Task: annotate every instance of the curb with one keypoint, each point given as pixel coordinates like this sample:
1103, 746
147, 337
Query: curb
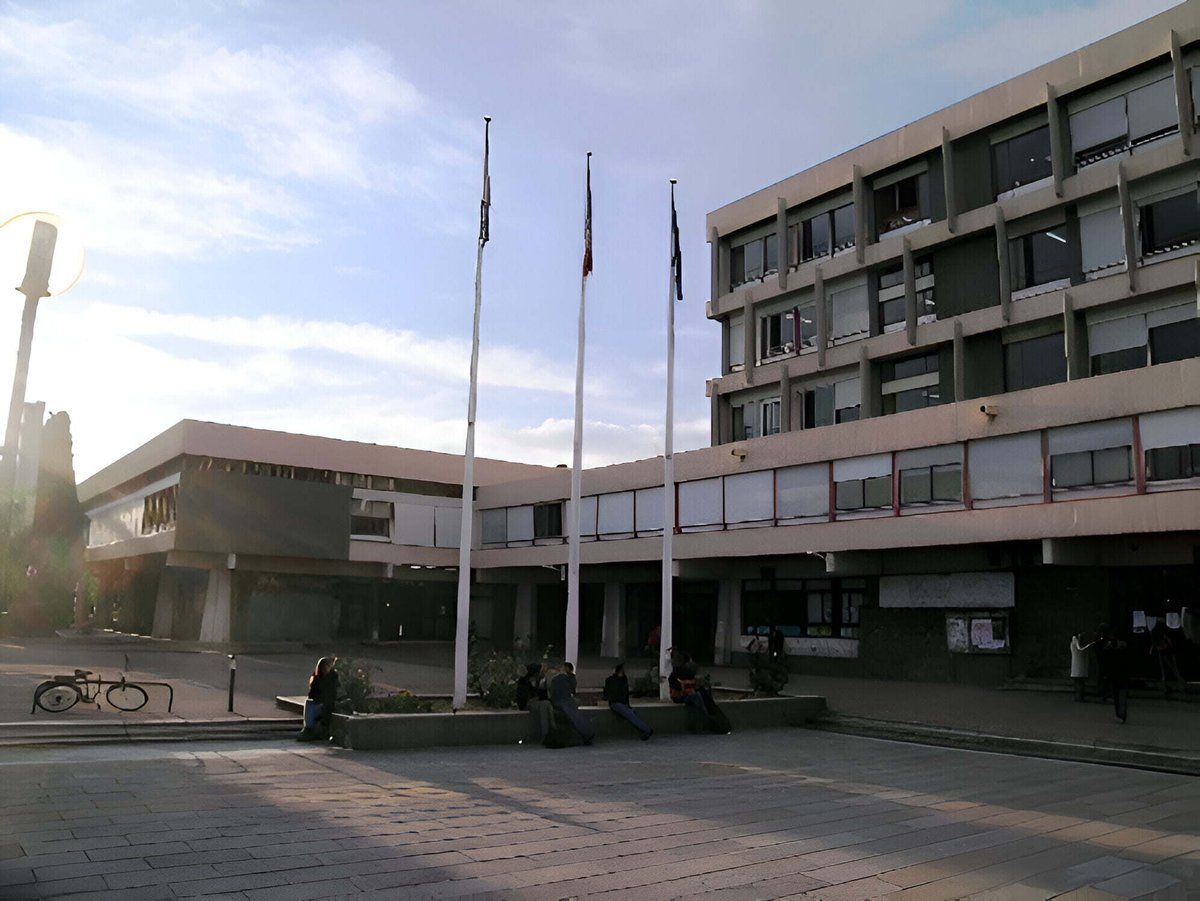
1132, 757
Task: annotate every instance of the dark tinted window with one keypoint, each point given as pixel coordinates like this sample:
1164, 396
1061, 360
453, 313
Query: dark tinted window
1119, 360
1098, 131
818, 407
1175, 341
843, 227
901, 204
1035, 362
1040, 258
816, 237
1022, 160
1182, 462
1170, 223
894, 370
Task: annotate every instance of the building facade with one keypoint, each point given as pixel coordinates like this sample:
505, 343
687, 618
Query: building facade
957, 420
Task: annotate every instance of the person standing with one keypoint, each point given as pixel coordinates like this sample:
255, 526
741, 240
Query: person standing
1079, 665
562, 696
1114, 669
616, 692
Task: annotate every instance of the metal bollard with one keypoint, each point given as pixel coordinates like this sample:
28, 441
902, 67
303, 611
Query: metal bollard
232, 678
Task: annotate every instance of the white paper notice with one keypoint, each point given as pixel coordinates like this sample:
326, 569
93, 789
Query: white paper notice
1173, 620
981, 635
1139, 620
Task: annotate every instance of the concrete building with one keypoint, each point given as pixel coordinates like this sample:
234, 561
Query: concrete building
958, 419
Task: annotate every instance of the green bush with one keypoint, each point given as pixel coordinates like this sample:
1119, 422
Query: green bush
645, 685
768, 676
401, 702
354, 680
494, 679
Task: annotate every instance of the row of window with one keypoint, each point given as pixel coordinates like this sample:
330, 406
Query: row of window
401, 522
1038, 261
801, 608
325, 476
158, 510
1002, 471
1100, 130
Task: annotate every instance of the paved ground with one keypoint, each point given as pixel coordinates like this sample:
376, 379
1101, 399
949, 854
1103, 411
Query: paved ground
781, 813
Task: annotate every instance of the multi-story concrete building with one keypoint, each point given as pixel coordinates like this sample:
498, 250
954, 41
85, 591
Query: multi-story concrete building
958, 419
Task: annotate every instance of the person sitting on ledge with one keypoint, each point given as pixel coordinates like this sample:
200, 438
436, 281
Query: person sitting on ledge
616, 692
562, 696
322, 696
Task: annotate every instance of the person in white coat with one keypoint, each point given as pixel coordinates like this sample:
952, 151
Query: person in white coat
1079, 664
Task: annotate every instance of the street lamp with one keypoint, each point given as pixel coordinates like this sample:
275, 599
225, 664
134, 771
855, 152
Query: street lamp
53, 263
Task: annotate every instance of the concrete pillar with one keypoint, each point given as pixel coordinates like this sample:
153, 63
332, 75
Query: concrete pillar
1077, 359
164, 605
960, 363
1002, 262
910, 294
822, 317
1128, 226
785, 400
216, 622
1183, 94
860, 214
749, 334
1059, 164
720, 263
948, 181
523, 616
729, 620
781, 243
613, 629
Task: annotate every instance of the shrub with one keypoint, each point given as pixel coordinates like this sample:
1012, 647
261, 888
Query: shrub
494, 679
769, 675
401, 702
645, 685
354, 679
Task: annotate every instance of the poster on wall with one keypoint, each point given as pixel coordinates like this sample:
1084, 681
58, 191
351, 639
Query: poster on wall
977, 632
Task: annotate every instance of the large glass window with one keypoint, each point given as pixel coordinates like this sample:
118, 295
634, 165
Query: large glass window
547, 520
850, 315
1169, 463
753, 260
1006, 468
802, 491
769, 413
749, 497
700, 503
737, 343
777, 335
902, 203
1094, 453
910, 384
821, 235
1143, 114
843, 227
1169, 224
371, 519
1175, 341
1171, 442
1035, 362
1022, 160
1117, 344
817, 237
1039, 258
813, 608
863, 483
495, 526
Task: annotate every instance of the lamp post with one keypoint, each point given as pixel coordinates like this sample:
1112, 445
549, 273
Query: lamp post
39, 232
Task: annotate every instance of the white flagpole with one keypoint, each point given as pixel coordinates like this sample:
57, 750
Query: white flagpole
463, 611
571, 649
666, 629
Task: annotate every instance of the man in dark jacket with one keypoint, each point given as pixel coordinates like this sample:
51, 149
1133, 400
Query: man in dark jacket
562, 696
616, 692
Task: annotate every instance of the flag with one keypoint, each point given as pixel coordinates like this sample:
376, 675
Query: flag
676, 253
485, 205
587, 222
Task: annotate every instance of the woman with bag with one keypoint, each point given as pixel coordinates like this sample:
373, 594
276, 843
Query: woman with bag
322, 696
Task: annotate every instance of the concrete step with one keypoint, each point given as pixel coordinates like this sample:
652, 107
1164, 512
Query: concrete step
115, 731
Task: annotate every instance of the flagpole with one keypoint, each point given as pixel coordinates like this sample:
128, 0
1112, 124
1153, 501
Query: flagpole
571, 648
463, 610
666, 628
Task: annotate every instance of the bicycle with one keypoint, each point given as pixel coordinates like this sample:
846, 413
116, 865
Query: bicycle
64, 692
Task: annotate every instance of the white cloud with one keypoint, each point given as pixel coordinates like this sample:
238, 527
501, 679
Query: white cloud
298, 113
134, 201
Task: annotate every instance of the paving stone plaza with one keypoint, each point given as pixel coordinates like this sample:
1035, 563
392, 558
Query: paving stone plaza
771, 814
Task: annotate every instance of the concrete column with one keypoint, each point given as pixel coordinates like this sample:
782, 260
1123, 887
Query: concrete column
1077, 360
1128, 227
860, 214
822, 316
715, 421
1002, 261
867, 394
614, 621
910, 294
1059, 164
749, 338
948, 181
714, 245
785, 400
523, 616
1183, 94
164, 605
729, 617
960, 363
781, 241
215, 624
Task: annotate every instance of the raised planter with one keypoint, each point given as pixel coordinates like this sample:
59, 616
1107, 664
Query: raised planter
499, 727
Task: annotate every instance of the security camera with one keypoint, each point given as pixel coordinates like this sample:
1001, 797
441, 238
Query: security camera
988, 410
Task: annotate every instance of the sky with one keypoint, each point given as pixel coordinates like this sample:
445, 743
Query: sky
279, 199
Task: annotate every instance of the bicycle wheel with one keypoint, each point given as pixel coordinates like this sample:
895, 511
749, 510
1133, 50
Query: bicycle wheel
127, 696
55, 697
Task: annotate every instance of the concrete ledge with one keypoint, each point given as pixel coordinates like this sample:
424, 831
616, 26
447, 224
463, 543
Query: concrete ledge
498, 727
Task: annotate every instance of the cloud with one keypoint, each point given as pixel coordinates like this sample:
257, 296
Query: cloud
298, 113
134, 201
